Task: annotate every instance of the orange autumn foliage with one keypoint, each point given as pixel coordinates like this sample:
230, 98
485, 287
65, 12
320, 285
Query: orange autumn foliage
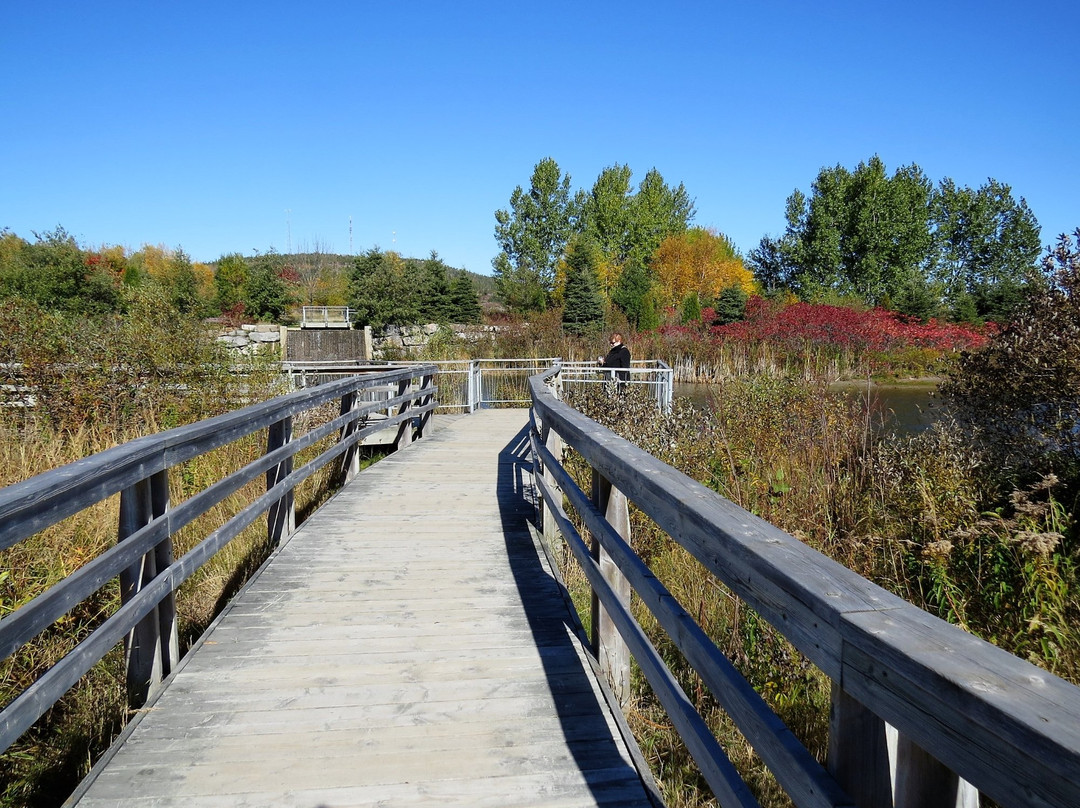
699, 260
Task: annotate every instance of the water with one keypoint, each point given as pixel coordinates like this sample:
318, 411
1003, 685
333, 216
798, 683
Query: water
905, 407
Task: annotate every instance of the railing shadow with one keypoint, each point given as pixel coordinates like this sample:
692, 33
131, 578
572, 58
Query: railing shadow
610, 777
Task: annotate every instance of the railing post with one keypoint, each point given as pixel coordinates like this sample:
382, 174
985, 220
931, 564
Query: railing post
350, 461
427, 395
922, 781
470, 387
151, 649
281, 516
859, 752
553, 443
881, 768
405, 428
608, 644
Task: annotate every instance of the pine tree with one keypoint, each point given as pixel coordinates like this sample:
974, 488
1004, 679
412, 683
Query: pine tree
464, 302
583, 308
634, 295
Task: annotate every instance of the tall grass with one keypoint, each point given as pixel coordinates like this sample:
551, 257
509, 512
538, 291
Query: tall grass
916, 514
116, 381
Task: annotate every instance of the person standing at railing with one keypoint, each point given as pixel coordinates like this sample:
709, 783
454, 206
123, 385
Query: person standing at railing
618, 358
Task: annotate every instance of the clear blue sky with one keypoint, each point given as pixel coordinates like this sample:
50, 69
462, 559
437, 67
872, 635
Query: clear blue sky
240, 126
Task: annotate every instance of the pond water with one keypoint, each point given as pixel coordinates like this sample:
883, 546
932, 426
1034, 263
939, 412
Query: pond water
905, 407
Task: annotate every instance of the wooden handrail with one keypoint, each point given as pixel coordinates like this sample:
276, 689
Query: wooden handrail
142, 556
957, 707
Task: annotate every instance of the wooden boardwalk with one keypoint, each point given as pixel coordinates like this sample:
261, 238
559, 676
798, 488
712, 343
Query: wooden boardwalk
406, 646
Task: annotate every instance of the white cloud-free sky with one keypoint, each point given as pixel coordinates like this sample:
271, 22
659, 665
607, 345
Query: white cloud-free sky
239, 126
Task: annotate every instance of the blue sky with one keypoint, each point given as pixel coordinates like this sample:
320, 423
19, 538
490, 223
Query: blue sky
235, 126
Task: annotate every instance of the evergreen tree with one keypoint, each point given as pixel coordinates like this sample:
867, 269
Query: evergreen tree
691, 309
583, 305
267, 295
435, 303
635, 297
464, 301
384, 290
730, 305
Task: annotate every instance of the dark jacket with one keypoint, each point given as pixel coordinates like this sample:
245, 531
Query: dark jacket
618, 357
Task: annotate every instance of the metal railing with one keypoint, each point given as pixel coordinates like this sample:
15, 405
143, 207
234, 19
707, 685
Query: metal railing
467, 385
325, 317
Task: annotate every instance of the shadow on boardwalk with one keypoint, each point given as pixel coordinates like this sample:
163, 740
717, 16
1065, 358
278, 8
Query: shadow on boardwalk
587, 722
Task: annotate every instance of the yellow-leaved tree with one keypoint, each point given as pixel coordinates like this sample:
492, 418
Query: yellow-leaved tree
701, 261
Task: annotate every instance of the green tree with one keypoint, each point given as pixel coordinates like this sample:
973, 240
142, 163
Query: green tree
57, 274
657, 211
230, 281
635, 296
384, 290
531, 236
730, 305
267, 294
770, 262
464, 301
986, 247
583, 305
435, 302
183, 285
690, 310
606, 213
859, 233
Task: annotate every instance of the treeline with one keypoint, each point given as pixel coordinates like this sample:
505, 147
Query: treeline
58, 275
387, 289
902, 242
614, 245
859, 236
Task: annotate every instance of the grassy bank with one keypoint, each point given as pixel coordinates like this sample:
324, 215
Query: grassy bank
916, 514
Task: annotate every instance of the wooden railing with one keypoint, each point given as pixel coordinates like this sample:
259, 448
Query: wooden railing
142, 557
923, 713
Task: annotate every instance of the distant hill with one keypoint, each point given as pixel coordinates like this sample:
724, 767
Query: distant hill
485, 284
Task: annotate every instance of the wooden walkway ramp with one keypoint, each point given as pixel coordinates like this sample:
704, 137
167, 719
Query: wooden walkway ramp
406, 646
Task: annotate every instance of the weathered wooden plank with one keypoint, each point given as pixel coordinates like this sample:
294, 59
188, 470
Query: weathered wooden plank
598, 787
983, 712
420, 660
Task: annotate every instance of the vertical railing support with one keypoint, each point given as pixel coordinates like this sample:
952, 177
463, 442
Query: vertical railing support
881, 768
922, 781
858, 751
553, 443
608, 644
281, 516
151, 649
427, 395
350, 461
470, 383
405, 428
